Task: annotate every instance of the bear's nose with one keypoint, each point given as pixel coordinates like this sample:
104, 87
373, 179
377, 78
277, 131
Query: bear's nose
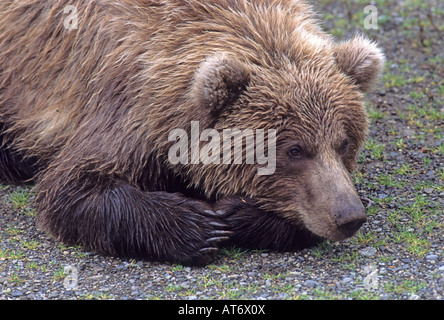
350, 218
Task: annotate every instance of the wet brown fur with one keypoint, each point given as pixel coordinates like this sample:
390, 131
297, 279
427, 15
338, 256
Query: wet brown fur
87, 113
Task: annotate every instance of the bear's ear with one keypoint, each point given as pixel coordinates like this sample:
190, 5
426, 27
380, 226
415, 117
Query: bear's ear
219, 81
361, 60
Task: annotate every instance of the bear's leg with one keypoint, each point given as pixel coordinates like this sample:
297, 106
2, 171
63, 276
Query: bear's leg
112, 217
254, 228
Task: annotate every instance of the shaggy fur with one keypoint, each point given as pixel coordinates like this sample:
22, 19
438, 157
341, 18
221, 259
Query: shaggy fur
87, 113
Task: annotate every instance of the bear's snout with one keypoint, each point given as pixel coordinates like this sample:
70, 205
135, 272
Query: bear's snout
350, 217
337, 211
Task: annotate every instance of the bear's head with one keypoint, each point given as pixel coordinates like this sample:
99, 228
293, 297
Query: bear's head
312, 96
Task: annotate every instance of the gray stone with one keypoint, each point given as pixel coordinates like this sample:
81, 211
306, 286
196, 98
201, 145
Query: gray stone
367, 252
310, 283
16, 293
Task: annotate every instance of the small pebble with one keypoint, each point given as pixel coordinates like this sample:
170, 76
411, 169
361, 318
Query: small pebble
347, 280
368, 252
17, 293
310, 283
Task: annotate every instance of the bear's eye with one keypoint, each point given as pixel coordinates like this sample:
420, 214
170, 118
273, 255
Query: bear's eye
296, 152
344, 146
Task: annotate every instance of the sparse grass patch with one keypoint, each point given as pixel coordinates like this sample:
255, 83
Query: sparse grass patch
372, 210
414, 222
392, 80
10, 254
233, 253
346, 260
403, 170
321, 294
439, 149
173, 288
441, 172
441, 89
59, 274
366, 239
32, 266
405, 286
21, 199
417, 246
16, 278
4, 187
427, 112
223, 268
76, 251
269, 276
31, 245
414, 243
322, 248
375, 149
389, 180
176, 267
13, 231
357, 177
374, 114
361, 294
97, 295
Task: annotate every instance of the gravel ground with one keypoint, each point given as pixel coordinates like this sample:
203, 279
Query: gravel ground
397, 254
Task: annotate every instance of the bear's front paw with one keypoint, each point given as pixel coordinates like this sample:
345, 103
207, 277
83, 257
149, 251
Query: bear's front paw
216, 234
202, 233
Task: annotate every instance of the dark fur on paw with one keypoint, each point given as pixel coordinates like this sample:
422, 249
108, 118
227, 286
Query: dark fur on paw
255, 228
203, 235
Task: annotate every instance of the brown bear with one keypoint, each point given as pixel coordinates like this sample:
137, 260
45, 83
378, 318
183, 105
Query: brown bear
91, 90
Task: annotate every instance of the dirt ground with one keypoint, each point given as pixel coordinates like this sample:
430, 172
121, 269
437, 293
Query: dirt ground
396, 255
